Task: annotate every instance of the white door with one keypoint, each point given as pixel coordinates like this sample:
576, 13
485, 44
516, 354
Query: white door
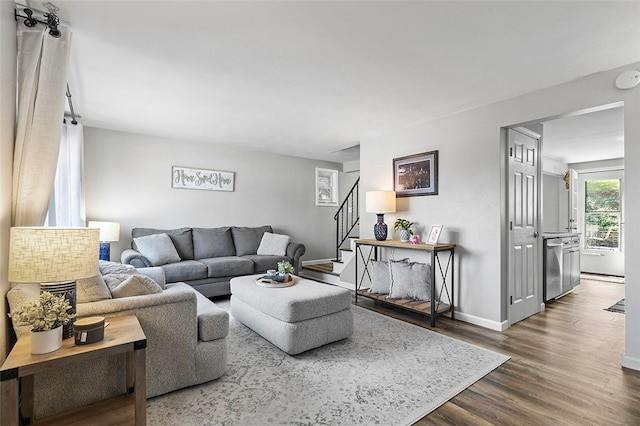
525, 289
601, 222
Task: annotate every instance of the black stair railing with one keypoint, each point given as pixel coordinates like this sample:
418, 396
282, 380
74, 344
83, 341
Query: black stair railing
347, 217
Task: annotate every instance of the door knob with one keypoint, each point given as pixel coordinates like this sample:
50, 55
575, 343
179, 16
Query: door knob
535, 235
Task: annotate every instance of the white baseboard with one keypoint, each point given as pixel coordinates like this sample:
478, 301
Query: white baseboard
630, 362
482, 322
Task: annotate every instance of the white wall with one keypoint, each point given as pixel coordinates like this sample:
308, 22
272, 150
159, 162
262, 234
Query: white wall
554, 218
470, 204
7, 123
128, 180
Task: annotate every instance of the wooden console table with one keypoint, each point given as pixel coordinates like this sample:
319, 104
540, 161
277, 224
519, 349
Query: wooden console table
124, 335
432, 307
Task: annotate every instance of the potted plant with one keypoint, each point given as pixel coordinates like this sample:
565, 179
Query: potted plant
46, 316
285, 268
404, 226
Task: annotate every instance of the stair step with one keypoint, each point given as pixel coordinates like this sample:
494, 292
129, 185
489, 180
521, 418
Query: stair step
326, 268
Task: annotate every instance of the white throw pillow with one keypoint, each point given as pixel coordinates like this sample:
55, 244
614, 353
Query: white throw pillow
92, 289
274, 244
158, 248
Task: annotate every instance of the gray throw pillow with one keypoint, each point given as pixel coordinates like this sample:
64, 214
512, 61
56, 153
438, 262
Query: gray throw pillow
92, 289
380, 278
122, 285
212, 242
247, 240
401, 280
273, 244
421, 281
158, 248
182, 239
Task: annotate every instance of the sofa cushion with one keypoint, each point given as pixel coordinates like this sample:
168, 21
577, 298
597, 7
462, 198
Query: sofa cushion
182, 239
264, 263
158, 248
212, 242
92, 289
185, 270
124, 285
228, 266
273, 244
247, 240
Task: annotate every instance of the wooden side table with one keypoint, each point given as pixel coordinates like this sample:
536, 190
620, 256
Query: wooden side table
123, 335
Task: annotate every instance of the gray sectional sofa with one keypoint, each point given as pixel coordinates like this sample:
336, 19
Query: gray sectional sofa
207, 258
186, 343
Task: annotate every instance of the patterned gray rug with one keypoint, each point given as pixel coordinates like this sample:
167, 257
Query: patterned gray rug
388, 373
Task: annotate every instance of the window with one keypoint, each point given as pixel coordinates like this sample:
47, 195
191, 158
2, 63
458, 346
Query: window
602, 214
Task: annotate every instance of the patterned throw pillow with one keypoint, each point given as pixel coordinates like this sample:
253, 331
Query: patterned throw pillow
92, 289
123, 285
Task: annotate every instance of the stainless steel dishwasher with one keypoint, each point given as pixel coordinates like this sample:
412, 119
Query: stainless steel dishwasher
553, 265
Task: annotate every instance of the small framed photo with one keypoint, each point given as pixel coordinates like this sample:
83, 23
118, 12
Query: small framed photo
434, 234
416, 175
326, 187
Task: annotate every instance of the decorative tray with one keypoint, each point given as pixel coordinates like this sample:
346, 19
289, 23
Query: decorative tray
264, 281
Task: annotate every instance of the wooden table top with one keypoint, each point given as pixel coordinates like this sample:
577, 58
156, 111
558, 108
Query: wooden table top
121, 332
408, 245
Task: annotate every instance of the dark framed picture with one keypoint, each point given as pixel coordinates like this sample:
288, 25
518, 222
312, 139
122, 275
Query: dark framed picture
416, 174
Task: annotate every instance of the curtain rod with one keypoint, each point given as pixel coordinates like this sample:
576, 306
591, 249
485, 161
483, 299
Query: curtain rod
52, 21
73, 114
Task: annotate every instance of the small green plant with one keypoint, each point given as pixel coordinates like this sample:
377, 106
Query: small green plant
46, 313
403, 224
285, 267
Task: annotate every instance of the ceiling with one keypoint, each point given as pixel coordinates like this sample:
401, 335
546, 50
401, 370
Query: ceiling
586, 137
309, 78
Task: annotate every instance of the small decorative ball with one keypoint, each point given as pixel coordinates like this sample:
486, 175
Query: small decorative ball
415, 239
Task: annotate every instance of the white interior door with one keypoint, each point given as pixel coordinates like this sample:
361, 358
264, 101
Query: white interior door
525, 288
601, 222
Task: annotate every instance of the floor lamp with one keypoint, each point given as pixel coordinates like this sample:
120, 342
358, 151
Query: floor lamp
109, 233
55, 258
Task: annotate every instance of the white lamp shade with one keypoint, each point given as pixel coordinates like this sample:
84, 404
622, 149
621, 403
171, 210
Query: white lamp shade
381, 201
109, 231
45, 255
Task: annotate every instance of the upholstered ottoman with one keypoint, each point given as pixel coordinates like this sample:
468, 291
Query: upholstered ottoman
297, 318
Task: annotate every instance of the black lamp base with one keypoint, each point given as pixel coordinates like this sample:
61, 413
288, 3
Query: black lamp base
380, 228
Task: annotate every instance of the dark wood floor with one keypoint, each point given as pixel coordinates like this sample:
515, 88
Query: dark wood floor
564, 367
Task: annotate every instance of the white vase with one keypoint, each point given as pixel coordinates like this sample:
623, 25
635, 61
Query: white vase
43, 342
405, 235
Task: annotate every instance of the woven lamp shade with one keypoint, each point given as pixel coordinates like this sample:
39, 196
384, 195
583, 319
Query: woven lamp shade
47, 255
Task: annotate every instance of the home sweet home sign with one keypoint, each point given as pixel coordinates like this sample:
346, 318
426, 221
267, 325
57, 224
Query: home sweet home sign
210, 180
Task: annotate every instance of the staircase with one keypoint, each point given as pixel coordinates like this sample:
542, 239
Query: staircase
341, 270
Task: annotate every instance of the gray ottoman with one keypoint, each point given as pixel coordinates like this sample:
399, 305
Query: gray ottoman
297, 318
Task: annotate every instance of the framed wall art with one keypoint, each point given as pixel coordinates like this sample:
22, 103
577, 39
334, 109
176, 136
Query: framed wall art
326, 187
211, 180
416, 174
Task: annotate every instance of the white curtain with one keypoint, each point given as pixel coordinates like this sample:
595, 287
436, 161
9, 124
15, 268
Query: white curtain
42, 78
67, 199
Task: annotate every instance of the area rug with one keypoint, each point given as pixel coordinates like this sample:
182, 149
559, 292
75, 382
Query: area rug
618, 307
388, 373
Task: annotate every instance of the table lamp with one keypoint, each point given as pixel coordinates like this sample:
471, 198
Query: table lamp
55, 258
380, 202
109, 233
